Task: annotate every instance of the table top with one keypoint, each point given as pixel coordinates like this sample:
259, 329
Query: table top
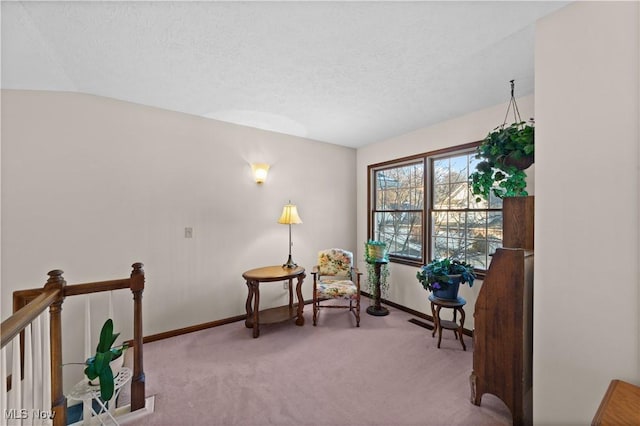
448, 303
273, 273
83, 390
619, 405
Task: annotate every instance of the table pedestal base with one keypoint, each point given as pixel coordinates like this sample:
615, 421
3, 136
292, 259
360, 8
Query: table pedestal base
378, 311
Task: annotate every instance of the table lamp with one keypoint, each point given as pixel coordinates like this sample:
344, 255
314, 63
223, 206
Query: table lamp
290, 217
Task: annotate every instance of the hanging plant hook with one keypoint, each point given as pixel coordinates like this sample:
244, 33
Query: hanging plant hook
505, 153
512, 102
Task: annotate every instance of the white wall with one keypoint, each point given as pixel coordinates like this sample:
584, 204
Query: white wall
586, 320
91, 185
404, 288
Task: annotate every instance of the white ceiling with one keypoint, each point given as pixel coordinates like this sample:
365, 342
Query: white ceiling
348, 73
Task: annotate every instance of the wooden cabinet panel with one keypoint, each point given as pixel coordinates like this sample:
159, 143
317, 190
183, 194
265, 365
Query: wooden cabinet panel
503, 316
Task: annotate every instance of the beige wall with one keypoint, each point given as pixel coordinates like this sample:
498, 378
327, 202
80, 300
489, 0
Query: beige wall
91, 185
587, 302
404, 288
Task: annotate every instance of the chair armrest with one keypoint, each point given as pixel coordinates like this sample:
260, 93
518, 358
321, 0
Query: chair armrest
314, 270
358, 274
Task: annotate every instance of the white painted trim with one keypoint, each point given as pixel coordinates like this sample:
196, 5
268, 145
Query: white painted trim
124, 415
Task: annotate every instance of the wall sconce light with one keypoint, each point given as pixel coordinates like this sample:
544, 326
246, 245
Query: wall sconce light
260, 171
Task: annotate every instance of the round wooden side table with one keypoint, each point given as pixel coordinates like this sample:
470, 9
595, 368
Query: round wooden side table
457, 306
254, 277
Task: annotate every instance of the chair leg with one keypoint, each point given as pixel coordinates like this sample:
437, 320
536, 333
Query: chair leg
315, 312
355, 310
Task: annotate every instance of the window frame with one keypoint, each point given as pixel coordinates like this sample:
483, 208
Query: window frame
427, 159
371, 222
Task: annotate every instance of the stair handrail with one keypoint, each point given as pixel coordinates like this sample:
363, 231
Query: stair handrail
19, 321
30, 303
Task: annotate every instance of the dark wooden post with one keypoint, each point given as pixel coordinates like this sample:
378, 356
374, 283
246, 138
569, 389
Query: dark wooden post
138, 381
518, 222
58, 400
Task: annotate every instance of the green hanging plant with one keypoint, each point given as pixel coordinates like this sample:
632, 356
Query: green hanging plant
505, 153
384, 279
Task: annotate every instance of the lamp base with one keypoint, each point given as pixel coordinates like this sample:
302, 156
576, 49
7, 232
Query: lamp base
290, 263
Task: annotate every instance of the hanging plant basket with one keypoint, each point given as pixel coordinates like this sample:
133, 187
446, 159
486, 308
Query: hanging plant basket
506, 152
519, 162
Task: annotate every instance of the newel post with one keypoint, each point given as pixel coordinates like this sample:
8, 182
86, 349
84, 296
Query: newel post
58, 400
138, 381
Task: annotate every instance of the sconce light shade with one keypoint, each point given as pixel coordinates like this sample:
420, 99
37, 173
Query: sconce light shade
260, 171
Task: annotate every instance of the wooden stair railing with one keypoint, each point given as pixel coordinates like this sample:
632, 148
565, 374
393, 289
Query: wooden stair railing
29, 304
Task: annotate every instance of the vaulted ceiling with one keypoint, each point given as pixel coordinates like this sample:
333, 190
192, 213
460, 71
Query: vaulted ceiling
348, 73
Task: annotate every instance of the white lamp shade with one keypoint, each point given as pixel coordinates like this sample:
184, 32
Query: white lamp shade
289, 215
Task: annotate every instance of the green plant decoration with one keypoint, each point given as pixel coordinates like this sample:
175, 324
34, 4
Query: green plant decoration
436, 274
98, 365
505, 153
372, 250
384, 279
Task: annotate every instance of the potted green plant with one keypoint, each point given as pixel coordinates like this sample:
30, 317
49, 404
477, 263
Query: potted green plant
376, 251
101, 365
443, 277
505, 153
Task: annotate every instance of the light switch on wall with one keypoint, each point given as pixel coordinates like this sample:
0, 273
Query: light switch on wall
188, 232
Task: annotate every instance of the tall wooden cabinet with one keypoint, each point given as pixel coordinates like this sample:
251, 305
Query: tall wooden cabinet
503, 317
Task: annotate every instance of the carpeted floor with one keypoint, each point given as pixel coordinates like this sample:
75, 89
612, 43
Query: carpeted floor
387, 372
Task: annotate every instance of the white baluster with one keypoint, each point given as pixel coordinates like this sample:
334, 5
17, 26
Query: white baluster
3, 382
112, 402
15, 400
27, 381
39, 368
46, 362
111, 305
87, 327
37, 363
86, 406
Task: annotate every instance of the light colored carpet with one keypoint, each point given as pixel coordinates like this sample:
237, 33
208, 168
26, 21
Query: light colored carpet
387, 372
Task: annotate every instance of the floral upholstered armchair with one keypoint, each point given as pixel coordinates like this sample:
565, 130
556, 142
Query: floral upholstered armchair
335, 277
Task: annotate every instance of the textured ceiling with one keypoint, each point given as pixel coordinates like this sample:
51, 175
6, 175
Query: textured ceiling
348, 73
